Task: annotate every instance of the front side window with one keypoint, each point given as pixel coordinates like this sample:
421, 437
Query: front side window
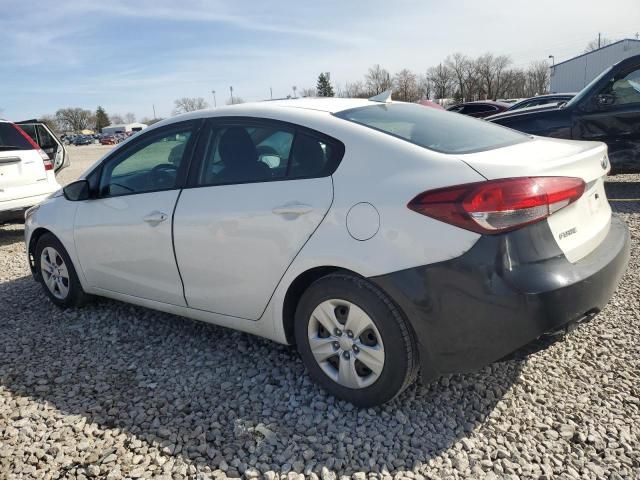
434, 129
624, 89
151, 165
245, 154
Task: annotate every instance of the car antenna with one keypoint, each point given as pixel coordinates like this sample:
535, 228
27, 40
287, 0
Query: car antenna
384, 97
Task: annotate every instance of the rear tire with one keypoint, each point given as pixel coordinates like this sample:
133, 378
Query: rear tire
354, 341
57, 274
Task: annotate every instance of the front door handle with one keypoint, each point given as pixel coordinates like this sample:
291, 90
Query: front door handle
155, 217
293, 208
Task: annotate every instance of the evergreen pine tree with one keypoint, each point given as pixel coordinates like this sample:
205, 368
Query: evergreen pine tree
324, 88
102, 119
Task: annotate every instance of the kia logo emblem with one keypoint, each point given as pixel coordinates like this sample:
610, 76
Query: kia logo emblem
603, 162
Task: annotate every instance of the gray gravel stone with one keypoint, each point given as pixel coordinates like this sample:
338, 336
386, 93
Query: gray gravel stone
116, 391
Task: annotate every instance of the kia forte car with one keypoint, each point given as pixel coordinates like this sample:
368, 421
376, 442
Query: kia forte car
383, 239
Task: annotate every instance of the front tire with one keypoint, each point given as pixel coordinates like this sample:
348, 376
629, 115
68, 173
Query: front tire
354, 341
56, 273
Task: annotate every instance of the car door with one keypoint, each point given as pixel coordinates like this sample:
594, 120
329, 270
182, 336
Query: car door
48, 142
123, 237
613, 116
258, 193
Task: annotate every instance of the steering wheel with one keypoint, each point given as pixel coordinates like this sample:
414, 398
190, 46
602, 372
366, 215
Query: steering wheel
164, 175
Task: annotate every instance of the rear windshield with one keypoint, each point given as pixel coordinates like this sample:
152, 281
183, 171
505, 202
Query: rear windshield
12, 139
437, 130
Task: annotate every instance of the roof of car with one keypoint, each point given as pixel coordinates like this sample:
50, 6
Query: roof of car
318, 105
483, 102
546, 95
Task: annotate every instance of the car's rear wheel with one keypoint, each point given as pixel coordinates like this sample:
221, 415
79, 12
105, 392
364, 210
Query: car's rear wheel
354, 341
57, 274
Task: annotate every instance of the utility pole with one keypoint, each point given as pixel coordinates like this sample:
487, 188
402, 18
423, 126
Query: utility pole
231, 90
598, 39
154, 111
294, 91
271, 93
214, 98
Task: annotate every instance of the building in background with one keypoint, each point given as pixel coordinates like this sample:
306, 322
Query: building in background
573, 74
124, 128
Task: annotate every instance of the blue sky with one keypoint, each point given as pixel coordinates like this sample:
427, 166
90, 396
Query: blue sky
129, 55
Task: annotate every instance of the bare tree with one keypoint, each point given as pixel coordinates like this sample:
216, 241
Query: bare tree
51, 121
150, 121
442, 80
537, 78
462, 68
129, 117
425, 86
116, 119
355, 90
491, 70
236, 100
191, 104
308, 92
75, 119
377, 80
405, 84
595, 44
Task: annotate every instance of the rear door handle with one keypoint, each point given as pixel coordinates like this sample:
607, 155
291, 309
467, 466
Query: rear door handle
155, 217
292, 208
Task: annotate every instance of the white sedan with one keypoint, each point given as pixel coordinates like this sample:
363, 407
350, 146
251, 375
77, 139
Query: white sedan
382, 238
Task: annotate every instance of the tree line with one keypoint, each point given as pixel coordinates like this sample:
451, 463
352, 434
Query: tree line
75, 119
458, 77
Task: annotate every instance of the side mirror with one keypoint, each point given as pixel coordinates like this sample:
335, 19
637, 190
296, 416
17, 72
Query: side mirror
76, 191
604, 100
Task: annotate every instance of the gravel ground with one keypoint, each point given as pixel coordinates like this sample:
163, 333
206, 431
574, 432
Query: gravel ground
118, 391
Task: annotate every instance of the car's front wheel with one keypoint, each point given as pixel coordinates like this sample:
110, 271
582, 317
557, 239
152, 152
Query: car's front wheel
57, 274
354, 341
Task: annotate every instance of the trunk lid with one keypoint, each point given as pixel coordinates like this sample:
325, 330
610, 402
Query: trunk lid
581, 226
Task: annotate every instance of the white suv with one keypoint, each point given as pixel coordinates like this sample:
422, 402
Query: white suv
27, 171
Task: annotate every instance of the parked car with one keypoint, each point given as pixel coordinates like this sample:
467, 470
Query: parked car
607, 110
381, 238
480, 109
429, 103
109, 140
547, 99
83, 140
26, 172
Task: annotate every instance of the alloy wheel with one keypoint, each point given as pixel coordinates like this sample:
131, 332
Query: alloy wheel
54, 272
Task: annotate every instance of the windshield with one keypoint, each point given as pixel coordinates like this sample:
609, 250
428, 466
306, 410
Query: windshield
582, 93
437, 130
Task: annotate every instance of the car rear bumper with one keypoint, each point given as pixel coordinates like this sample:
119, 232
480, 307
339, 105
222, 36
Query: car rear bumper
505, 292
14, 209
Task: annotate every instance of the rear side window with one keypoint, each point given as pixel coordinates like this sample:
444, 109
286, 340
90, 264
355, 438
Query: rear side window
12, 139
434, 129
258, 151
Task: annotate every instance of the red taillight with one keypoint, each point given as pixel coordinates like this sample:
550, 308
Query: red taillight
497, 206
48, 164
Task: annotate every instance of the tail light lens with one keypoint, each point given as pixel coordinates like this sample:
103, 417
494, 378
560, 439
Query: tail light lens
497, 206
48, 164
